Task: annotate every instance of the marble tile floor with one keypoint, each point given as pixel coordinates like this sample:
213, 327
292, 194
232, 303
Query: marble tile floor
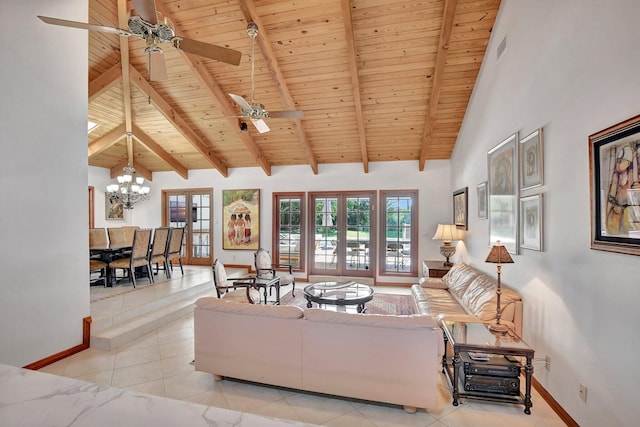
159, 364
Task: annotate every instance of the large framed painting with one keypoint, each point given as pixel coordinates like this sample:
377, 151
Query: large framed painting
531, 160
113, 209
615, 188
531, 222
502, 162
460, 209
241, 219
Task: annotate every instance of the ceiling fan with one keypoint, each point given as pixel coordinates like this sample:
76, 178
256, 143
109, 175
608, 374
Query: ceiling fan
154, 28
254, 111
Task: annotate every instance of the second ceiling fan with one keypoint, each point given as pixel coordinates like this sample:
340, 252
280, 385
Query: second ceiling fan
255, 111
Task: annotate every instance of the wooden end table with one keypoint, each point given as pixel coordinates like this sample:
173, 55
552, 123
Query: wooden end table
475, 337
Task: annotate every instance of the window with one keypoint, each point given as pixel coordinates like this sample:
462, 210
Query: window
288, 230
399, 219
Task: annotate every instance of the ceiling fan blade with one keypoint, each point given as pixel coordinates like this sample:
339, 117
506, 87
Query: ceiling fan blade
260, 125
241, 101
146, 9
293, 114
75, 24
157, 66
207, 50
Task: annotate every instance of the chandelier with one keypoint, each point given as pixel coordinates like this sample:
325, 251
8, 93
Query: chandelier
128, 189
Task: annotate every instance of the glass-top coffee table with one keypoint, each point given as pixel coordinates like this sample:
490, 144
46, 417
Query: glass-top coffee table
339, 294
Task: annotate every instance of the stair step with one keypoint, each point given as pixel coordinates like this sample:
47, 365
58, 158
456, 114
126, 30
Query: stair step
125, 326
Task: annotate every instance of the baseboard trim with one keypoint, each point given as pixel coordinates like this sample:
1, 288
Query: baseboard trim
86, 342
564, 415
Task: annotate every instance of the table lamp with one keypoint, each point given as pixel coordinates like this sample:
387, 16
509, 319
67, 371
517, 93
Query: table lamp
447, 233
498, 255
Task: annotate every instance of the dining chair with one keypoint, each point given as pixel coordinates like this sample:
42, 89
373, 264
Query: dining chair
97, 237
228, 290
159, 249
129, 231
116, 236
101, 266
174, 248
266, 269
140, 256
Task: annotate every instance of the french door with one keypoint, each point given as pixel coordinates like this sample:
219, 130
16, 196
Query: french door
191, 209
343, 240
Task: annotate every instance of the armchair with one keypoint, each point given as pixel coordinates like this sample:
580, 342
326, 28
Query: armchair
230, 291
266, 269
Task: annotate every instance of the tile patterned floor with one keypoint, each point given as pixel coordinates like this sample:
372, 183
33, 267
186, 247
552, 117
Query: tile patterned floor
159, 364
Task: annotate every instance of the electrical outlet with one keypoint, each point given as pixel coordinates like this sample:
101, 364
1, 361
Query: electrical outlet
547, 363
582, 392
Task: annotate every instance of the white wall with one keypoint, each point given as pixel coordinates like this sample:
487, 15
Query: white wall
435, 196
43, 186
570, 67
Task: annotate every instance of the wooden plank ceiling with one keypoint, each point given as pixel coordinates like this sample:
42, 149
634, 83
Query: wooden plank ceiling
377, 80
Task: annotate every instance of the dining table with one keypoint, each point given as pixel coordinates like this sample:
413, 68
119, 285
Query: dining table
108, 253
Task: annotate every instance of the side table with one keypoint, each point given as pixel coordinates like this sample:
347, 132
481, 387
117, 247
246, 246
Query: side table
434, 268
475, 337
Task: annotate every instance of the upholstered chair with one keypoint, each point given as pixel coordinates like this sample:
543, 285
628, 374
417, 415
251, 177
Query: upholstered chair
140, 256
159, 249
97, 237
101, 266
226, 289
174, 248
266, 269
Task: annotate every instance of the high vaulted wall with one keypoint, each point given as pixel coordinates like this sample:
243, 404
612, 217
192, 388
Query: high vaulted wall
570, 67
43, 180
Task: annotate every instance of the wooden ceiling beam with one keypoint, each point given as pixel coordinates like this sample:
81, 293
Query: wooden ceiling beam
156, 149
355, 80
441, 59
107, 140
220, 98
104, 82
251, 15
177, 121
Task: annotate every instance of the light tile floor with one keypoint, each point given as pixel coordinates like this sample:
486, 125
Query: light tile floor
160, 364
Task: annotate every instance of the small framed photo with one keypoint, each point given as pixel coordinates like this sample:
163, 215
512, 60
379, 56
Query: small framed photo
460, 210
531, 222
531, 160
113, 208
481, 190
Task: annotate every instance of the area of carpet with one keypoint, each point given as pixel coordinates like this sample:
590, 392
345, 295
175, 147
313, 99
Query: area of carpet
380, 304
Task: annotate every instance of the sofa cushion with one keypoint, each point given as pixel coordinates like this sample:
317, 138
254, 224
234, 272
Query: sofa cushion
373, 320
225, 306
480, 297
437, 301
459, 278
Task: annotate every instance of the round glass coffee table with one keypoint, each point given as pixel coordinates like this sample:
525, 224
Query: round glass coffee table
339, 294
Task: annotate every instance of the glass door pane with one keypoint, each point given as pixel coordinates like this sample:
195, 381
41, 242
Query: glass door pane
358, 255
325, 248
192, 210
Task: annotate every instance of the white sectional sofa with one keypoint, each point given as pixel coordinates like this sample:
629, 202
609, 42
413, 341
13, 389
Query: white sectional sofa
392, 359
467, 294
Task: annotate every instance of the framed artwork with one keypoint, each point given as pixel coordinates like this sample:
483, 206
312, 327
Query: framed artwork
241, 219
481, 190
460, 210
615, 188
531, 160
531, 222
113, 209
502, 162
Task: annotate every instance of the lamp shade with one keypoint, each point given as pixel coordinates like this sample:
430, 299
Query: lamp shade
499, 255
446, 232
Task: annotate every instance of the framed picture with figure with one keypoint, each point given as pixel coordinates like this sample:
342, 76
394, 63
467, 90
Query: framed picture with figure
531, 222
241, 219
502, 164
460, 209
113, 209
531, 160
614, 167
